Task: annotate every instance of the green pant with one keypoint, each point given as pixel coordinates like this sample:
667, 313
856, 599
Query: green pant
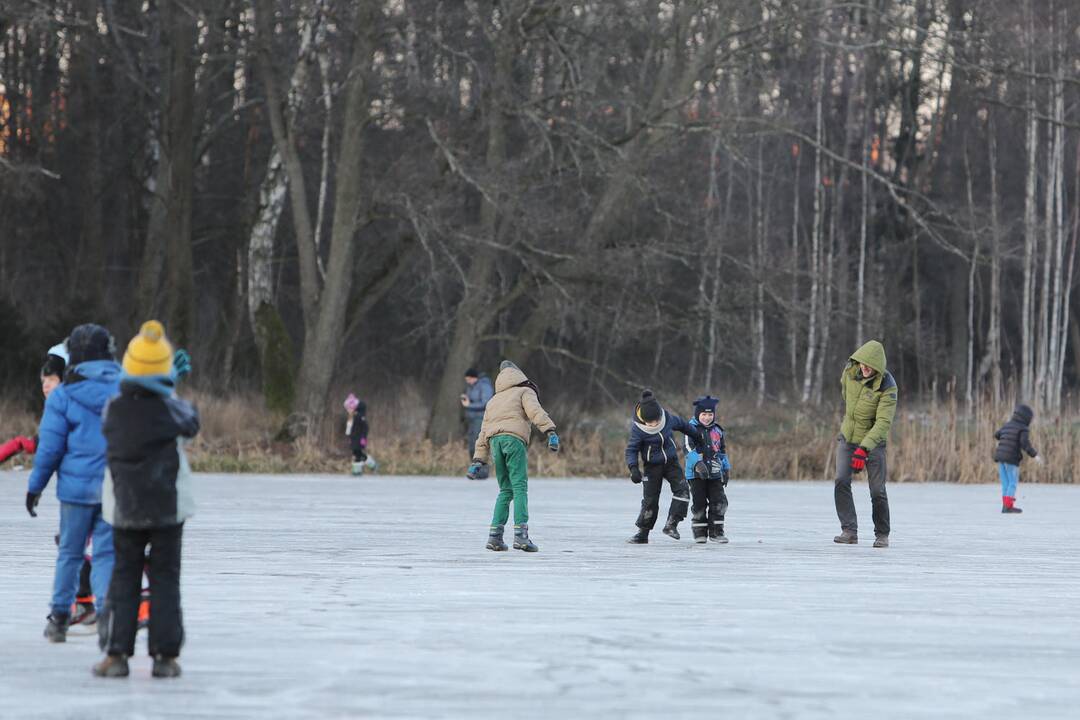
511, 460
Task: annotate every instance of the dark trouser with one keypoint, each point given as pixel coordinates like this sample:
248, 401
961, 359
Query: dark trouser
84, 582
710, 503
875, 471
475, 422
125, 590
650, 488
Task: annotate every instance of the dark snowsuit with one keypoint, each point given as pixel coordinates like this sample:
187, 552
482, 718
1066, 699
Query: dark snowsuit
661, 458
147, 501
710, 501
358, 433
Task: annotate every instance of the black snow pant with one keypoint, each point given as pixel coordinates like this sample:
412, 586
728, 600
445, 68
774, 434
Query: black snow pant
876, 472
650, 489
710, 504
84, 582
125, 590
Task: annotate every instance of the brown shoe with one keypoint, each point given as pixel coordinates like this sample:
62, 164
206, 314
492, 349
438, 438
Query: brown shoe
112, 666
165, 667
881, 541
846, 537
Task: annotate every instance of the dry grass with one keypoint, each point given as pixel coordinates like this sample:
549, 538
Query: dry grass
934, 442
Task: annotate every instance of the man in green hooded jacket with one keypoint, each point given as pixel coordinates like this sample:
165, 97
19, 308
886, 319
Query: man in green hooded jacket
869, 406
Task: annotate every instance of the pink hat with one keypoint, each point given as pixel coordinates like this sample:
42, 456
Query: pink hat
352, 402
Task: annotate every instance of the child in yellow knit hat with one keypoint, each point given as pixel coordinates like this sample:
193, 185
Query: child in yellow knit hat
146, 500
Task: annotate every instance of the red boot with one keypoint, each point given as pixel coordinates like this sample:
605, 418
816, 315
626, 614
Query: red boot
1008, 505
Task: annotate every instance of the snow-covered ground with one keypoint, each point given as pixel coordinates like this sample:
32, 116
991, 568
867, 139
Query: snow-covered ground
328, 597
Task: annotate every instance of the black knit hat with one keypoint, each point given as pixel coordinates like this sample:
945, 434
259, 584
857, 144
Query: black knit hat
90, 342
705, 404
471, 372
648, 410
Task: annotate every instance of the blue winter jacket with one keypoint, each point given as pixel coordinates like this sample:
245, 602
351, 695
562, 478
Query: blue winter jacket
70, 441
715, 449
478, 395
656, 447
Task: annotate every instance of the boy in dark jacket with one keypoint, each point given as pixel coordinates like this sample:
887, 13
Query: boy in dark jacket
651, 440
147, 500
1013, 440
356, 428
71, 444
707, 471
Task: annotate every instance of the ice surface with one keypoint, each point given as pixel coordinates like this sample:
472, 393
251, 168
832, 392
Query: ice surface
327, 597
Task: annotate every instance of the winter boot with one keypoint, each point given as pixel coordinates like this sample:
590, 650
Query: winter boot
521, 539
716, 534
847, 537
495, 539
112, 666
701, 532
56, 630
881, 541
165, 667
1008, 505
641, 537
358, 468
671, 529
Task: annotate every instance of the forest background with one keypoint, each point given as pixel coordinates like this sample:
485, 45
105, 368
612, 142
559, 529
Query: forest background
324, 196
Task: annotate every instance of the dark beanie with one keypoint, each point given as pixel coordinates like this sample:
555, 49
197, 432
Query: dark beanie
705, 404
648, 410
89, 342
471, 372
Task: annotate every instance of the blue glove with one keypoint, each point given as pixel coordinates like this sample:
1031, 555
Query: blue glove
181, 364
474, 470
553, 441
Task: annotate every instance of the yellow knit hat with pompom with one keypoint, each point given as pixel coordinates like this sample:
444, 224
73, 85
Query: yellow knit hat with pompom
149, 352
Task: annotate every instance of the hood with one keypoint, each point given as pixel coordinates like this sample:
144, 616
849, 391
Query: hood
100, 382
872, 353
1023, 413
509, 377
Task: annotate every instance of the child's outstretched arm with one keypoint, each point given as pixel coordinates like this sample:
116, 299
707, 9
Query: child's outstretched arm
535, 412
1025, 443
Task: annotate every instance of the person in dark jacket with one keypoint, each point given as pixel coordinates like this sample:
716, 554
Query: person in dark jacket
1014, 439
651, 440
71, 445
356, 428
478, 391
147, 500
707, 471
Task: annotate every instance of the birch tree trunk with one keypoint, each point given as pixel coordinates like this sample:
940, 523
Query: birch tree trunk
815, 237
1031, 148
759, 273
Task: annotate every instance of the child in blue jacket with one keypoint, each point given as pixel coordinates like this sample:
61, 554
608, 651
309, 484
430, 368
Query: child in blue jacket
707, 470
651, 440
71, 444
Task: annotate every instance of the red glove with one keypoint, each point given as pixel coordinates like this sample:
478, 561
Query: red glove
858, 459
16, 445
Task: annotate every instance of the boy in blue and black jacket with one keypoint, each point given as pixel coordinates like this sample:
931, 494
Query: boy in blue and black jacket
651, 440
707, 470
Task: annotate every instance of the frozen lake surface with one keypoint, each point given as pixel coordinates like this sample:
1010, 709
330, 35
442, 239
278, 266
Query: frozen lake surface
333, 597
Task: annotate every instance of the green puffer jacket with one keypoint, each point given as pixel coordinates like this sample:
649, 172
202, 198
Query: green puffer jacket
869, 403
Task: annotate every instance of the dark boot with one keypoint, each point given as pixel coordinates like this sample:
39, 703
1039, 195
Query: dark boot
1010, 509
716, 533
495, 539
112, 666
847, 537
641, 537
165, 667
521, 539
701, 532
56, 629
672, 529
881, 541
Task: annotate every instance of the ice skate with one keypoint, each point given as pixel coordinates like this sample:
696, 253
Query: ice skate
672, 530
495, 539
56, 629
847, 537
716, 534
113, 666
165, 667
357, 468
641, 537
881, 541
701, 532
521, 539
83, 613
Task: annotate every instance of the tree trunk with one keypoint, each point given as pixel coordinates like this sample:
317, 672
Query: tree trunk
815, 253
1031, 147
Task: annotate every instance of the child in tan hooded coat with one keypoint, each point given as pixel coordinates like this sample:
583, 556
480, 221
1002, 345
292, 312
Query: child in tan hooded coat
504, 437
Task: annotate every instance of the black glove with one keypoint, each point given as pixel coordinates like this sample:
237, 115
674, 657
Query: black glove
635, 474
701, 470
727, 476
32, 499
